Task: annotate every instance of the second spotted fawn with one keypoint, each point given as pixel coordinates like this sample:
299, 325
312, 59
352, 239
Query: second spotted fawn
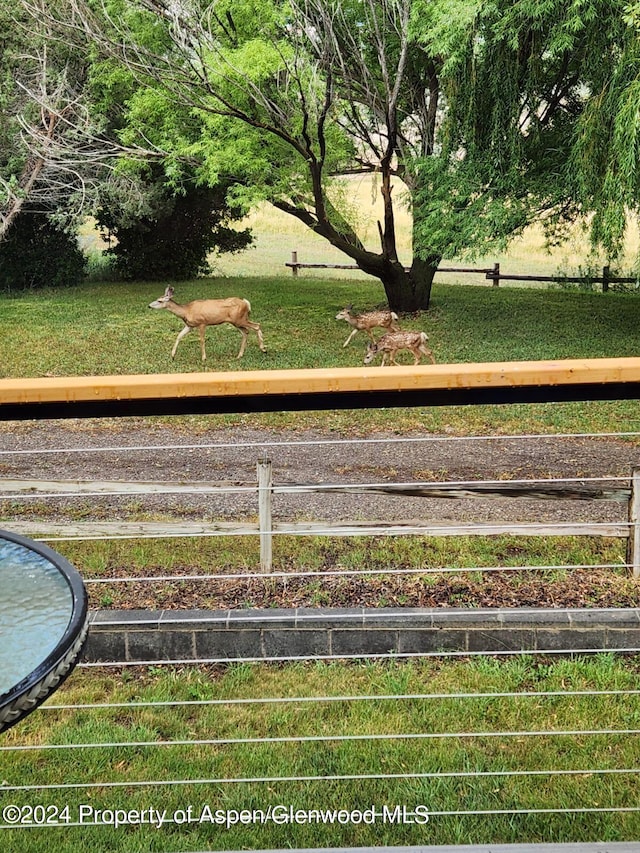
393, 342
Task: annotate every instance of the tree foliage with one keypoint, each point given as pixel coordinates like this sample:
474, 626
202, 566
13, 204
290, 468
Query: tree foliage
37, 253
174, 236
166, 220
541, 122
494, 113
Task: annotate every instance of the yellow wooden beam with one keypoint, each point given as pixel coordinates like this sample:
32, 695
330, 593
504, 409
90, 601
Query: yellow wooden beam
335, 382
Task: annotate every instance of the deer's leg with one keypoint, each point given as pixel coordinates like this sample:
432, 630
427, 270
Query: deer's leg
426, 351
244, 331
181, 335
258, 330
243, 343
346, 343
201, 330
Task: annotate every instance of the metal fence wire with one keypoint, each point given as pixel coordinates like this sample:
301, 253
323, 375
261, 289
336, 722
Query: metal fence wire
383, 726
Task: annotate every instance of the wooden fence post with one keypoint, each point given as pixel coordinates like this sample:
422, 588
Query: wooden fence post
496, 275
265, 490
294, 263
633, 546
606, 272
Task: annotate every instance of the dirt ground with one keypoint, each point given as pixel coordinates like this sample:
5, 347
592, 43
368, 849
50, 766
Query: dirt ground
132, 450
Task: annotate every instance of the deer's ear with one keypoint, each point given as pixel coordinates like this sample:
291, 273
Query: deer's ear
169, 291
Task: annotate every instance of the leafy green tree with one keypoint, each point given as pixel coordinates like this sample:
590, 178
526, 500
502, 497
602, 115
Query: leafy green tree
541, 123
166, 222
494, 113
171, 234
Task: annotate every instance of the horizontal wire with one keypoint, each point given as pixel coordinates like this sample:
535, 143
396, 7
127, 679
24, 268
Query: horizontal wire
567, 811
330, 738
430, 814
332, 778
310, 487
320, 442
263, 576
363, 656
384, 697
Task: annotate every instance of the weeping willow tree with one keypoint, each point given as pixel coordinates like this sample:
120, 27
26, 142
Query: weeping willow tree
494, 113
540, 123
605, 160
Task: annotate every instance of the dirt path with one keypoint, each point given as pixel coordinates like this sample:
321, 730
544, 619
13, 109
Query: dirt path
168, 454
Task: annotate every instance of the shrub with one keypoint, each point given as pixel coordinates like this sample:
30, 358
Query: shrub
173, 239
38, 253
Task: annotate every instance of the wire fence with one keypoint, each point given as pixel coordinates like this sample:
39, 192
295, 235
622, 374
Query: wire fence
233, 751
614, 489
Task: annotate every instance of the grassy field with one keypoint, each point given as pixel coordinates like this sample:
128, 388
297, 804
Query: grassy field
339, 738
277, 235
102, 329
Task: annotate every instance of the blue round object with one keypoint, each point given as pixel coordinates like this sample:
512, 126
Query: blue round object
43, 624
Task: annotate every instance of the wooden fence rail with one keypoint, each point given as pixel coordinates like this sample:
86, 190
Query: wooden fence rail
265, 489
492, 273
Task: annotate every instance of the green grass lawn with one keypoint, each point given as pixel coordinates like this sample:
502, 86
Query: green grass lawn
339, 739
107, 328
102, 329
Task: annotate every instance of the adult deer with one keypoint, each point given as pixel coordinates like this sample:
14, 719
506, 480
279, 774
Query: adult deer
393, 342
210, 312
366, 322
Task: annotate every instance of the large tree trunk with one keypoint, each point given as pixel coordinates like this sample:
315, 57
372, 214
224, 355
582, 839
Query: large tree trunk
406, 290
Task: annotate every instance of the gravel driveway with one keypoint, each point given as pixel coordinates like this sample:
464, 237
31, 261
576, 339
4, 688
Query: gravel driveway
173, 455
167, 454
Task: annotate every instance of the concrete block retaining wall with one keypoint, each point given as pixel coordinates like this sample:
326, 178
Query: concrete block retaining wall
235, 635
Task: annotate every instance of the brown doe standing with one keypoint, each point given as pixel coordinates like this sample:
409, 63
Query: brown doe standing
368, 321
210, 312
392, 342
